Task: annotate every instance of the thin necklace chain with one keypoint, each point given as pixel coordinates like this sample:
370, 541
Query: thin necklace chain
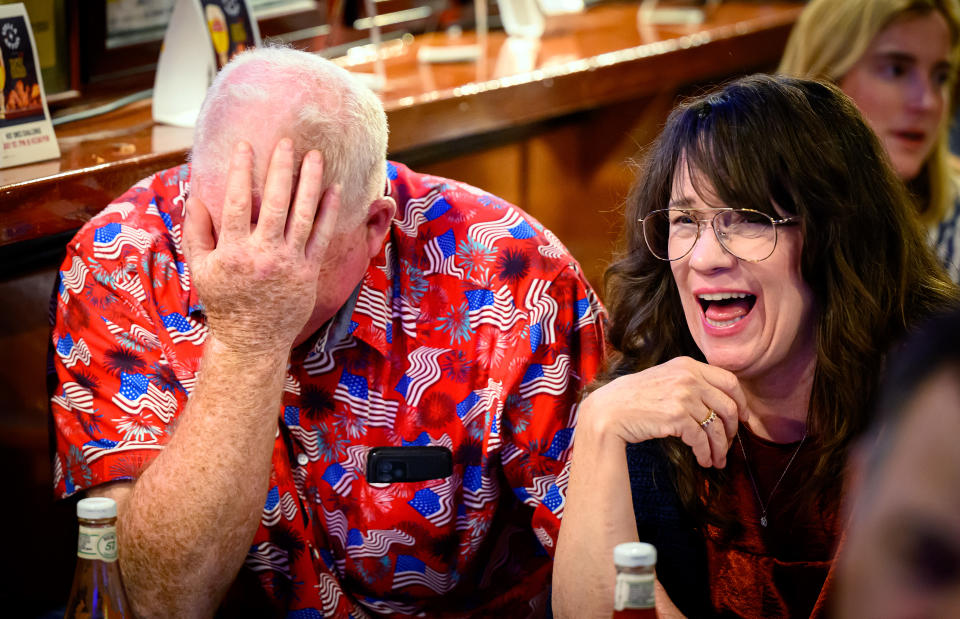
756, 491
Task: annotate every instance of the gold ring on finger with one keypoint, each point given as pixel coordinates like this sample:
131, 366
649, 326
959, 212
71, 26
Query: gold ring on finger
706, 422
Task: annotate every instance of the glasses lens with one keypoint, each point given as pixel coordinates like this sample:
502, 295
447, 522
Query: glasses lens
747, 234
670, 233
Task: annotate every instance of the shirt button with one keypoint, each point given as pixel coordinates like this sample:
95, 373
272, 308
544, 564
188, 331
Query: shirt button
302, 459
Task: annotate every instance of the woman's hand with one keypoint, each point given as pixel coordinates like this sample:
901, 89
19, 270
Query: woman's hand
676, 398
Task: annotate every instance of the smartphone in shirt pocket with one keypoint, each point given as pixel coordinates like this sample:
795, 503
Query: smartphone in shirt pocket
388, 465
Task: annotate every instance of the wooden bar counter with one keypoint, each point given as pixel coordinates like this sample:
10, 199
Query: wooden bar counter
549, 127
437, 112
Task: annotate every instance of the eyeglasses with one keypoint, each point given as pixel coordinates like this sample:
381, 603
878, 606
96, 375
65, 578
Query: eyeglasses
749, 235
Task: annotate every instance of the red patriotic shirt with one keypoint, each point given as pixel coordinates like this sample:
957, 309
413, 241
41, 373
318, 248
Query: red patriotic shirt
473, 329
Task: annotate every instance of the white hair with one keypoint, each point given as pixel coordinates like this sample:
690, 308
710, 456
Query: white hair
268, 93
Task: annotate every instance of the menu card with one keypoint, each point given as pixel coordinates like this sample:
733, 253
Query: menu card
25, 129
202, 36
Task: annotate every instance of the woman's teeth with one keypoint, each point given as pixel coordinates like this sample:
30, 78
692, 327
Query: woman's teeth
723, 309
723, 296
724, 323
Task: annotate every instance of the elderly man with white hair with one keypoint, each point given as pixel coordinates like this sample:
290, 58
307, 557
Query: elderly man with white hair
234, 336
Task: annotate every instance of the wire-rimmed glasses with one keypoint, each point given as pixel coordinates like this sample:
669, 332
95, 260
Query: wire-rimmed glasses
750, 235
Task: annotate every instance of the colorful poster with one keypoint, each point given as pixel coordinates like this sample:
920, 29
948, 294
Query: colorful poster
229, 24
26, 133
21, 81
201, 37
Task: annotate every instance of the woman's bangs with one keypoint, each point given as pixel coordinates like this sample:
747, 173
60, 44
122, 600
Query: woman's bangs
727, 162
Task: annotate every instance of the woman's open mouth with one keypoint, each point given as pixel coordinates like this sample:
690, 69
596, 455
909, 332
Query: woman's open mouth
914, 137
724, 309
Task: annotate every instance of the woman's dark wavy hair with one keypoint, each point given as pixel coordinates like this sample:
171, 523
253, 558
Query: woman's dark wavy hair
802, 145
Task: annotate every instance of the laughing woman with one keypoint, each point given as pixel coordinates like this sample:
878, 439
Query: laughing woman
771, 259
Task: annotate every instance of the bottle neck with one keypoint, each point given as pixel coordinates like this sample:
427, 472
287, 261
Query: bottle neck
97, 540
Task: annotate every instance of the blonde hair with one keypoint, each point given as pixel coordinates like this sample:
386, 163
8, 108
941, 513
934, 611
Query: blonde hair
832, 35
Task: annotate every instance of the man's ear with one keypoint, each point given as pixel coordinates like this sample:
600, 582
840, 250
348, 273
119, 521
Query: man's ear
378, 220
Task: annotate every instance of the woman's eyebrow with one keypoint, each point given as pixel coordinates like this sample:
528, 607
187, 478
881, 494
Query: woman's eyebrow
944, 65
678, 202
896, 55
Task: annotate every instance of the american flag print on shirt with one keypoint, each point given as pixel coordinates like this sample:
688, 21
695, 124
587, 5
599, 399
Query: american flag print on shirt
473, 329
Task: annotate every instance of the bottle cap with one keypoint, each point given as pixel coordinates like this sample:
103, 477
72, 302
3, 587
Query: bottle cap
634, 554
96, 507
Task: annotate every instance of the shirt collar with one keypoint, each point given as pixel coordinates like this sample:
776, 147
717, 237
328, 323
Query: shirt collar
339, 327
366, 314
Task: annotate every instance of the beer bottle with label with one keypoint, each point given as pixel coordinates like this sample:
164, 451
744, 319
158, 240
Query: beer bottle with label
97, 590
633, 595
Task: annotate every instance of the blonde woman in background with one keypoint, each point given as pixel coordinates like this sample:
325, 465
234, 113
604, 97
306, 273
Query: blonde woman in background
897, 59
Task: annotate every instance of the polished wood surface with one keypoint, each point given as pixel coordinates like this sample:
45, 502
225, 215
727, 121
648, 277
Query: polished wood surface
602, 57
100, 158
598, 58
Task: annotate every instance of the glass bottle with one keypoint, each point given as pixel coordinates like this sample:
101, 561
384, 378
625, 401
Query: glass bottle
97, 590
633, 595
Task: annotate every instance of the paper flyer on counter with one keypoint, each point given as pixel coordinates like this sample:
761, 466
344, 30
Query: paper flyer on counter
26, 132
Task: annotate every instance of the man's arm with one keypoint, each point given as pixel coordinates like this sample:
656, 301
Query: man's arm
185, 525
